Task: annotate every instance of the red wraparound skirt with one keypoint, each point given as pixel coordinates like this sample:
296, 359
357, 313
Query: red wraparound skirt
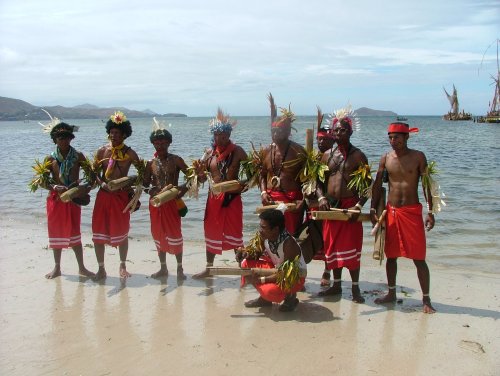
292, 219
343, 241
271, 291
405, 232
166, 227
223, 225
63, 220
109, 224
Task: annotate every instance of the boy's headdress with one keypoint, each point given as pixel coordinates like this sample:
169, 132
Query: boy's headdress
57, 128
401, 128
287, 116
221, 123
159, 131
346, 116
119, 121
323, 130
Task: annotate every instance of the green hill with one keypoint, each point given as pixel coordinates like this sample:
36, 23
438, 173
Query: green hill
15, 109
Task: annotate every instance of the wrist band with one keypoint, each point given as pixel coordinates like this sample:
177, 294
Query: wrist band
372, 210
102, 184
263, 193
262, 279
430, 212
321, 198
359, 206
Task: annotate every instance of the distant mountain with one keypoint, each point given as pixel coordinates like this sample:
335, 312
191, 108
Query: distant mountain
15, 109
365, 111
86, 106
150, 112
171, 114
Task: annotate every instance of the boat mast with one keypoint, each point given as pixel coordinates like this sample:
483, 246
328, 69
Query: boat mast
495, 104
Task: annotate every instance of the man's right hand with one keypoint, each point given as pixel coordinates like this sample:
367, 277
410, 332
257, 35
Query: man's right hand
323, 203
59, 188
266, 199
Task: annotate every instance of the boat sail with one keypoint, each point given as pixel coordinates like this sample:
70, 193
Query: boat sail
454, 114
493, 115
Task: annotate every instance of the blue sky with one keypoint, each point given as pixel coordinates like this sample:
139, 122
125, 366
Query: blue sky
192, 56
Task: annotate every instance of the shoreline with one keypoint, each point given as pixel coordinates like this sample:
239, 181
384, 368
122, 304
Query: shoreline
76, 326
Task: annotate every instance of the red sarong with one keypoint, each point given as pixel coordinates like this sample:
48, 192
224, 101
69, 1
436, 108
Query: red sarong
292, 219
63, 222
343, 240
271, 291
223, 225
405, 232
109, 224
166, 227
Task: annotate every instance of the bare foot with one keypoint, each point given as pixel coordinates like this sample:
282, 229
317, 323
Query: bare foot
180, 273
336, 289
162, 273
84, 272
123, 272
428, 308
325, 280
101, 274
389, 298
356, 295
54, 273
201, 275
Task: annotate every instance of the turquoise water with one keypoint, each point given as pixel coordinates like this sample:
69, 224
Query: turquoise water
467, 155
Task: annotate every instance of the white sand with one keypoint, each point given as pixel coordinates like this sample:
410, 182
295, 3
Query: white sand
69, 326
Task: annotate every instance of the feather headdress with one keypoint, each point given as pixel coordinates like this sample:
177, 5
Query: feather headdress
221, 123
56, 127
159, 131
287, 116
47, 128
346, 115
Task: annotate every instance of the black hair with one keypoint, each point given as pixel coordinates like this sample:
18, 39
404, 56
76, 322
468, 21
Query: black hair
125, 127
62, 130
160, 134
274, 218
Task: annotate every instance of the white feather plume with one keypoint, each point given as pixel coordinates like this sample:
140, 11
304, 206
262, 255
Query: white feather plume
47, 128
156, 125
343, 113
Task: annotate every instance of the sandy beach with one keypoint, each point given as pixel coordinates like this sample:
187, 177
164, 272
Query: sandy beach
74, 326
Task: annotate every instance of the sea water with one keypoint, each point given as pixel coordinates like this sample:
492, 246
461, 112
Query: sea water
466, 153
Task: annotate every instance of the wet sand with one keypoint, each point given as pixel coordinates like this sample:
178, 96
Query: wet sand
74, 326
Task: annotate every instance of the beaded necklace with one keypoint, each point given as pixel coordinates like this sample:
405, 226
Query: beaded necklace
275, 180
162, 173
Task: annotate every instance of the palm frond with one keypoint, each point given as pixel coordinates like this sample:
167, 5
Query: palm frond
42, 178
361, 180
288, 274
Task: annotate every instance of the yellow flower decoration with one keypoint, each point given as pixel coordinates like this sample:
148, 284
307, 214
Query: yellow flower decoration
118, 117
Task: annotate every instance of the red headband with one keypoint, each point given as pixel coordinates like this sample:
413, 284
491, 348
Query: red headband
324, 133
401, 128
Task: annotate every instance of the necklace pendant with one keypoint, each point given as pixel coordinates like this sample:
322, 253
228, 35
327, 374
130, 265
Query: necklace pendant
275, 181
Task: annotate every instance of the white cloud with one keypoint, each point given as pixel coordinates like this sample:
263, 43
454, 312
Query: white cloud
199, 54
